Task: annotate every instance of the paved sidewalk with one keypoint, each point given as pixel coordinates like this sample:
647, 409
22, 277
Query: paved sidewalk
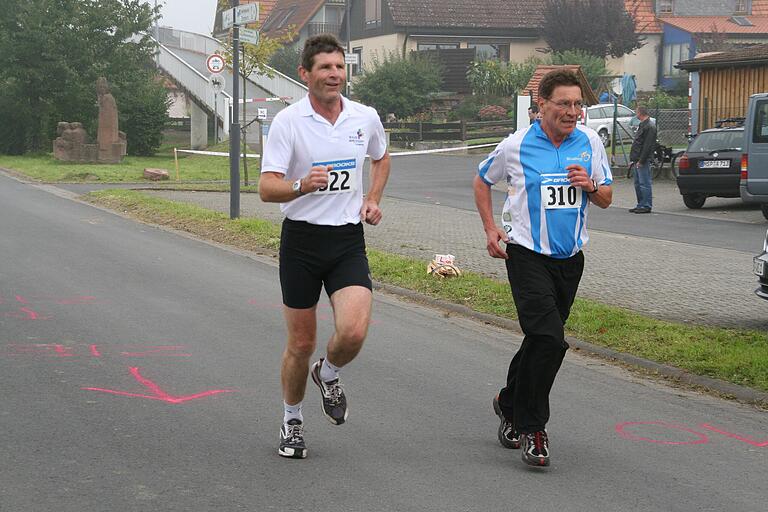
668, 280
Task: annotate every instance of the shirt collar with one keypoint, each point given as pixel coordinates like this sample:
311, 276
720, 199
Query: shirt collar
536, 127
306, 110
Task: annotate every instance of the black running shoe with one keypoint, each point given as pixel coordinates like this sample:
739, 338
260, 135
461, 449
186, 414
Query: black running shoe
334, 400
292, 440
536, 448
507, 435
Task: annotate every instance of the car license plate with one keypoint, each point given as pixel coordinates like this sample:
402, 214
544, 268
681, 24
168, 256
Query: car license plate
714, 164
758, 266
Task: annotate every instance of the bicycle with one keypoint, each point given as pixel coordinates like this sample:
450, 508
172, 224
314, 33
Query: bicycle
661, 155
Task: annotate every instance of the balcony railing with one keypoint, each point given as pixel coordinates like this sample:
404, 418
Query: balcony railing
323, 28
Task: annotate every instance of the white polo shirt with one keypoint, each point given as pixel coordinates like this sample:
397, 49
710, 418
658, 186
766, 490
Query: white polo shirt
300, 138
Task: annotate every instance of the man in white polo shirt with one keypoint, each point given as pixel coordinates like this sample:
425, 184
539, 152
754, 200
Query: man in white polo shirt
313, 163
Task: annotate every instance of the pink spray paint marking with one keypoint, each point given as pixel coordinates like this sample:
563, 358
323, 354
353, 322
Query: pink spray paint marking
42, 349
621, 430
92, 350
748, 440
157, 392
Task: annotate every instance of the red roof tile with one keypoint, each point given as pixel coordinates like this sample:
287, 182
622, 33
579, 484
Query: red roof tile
724, 24
467, 13
287, 13
646, 21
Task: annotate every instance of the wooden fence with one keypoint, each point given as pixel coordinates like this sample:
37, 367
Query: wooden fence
459, 130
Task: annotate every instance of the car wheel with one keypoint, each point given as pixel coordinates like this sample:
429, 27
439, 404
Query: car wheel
764, 207
694, 201
605, 138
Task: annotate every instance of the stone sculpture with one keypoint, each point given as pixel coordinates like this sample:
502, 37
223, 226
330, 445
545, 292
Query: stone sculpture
72, 144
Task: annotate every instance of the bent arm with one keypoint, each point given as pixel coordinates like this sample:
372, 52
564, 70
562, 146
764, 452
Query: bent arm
603, 197
379, 176
273, 188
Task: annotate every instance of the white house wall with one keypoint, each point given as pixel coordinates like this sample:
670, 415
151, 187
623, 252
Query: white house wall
643, 63
377, 48
521, 50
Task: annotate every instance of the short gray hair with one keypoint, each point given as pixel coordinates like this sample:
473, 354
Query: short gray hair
642, 111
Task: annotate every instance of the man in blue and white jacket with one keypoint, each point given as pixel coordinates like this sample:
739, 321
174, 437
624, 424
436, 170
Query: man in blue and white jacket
553, 170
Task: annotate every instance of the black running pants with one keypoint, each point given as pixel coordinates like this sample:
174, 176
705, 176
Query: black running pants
543, 289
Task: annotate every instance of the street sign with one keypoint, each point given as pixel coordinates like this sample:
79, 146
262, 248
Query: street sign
240, 15
215, 63
247, 13
351, 58
217, 82
261, 113
227, 18
248, 35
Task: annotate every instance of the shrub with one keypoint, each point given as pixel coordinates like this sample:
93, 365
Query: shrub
143, 115
495, 78
398, 85
662, 99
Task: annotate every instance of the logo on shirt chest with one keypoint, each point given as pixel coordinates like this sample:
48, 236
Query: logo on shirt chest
358, 138
583, 157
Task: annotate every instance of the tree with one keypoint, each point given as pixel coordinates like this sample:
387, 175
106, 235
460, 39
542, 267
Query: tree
399, 85
593, 67
286, 61
52, 52
598, 27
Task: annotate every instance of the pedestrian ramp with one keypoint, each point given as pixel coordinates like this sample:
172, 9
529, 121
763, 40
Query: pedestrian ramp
182, 56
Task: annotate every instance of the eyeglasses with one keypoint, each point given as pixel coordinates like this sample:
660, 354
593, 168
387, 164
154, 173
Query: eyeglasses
567, 105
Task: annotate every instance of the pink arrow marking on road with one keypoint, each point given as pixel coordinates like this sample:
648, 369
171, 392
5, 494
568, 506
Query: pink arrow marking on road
157, 393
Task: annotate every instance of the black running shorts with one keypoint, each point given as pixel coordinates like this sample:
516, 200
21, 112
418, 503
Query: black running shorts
312, 256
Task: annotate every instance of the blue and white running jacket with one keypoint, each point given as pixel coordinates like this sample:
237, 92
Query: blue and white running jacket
543, 211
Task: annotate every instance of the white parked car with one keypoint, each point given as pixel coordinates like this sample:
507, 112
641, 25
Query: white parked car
600, 118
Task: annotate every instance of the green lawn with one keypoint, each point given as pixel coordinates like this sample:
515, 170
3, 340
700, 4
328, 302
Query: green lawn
191, 168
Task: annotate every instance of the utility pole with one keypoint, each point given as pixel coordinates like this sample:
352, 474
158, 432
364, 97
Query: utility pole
347, 9
157, 38
234, 131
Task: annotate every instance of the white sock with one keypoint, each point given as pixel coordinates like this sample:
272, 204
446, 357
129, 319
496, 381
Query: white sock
292, 412
328, 372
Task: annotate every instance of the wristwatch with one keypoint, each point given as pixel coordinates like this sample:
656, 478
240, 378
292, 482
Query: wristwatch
595, 186
297, 188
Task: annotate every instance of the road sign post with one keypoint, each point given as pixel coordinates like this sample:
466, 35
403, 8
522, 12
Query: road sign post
217, 82
215, 63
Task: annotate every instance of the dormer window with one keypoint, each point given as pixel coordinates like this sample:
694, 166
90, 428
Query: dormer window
666, 6
740, 7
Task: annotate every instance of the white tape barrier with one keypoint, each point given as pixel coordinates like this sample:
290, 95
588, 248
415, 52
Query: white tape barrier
402, 153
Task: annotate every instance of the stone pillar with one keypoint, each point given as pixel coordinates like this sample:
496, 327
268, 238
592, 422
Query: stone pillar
199, 127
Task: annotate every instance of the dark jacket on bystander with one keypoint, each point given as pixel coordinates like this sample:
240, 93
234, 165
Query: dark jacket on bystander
644, 143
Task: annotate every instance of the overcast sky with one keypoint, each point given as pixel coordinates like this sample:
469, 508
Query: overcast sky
192, 15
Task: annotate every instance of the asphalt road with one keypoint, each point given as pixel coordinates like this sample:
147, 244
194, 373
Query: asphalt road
139, 371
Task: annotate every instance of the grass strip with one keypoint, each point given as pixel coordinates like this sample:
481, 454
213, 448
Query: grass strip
734, 355
44, 167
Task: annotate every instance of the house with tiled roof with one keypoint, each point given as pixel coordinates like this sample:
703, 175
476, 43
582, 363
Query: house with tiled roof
305, 18
722, 82
467, 29
676, 30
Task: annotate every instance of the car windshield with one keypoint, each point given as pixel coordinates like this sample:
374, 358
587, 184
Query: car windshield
717, 141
